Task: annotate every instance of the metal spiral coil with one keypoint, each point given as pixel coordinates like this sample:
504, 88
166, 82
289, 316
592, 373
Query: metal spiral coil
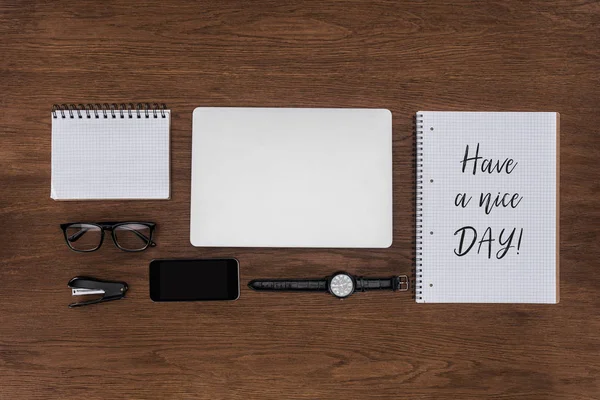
114, 110
419, 208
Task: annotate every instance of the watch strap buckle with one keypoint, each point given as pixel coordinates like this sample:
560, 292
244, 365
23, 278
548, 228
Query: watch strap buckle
401, 283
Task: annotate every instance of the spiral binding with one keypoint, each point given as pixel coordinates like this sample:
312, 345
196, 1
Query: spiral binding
419, 208
106, 110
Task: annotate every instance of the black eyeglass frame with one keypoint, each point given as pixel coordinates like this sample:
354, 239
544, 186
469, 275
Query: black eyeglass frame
110, 226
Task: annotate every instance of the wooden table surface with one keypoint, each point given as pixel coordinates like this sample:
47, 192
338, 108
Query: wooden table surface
437, 55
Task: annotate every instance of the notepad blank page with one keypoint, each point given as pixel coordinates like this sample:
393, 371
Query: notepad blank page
110, 158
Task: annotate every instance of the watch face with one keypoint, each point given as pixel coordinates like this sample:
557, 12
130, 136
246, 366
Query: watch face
341, 285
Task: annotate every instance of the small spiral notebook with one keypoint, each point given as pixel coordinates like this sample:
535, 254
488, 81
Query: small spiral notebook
487, 207
110, 152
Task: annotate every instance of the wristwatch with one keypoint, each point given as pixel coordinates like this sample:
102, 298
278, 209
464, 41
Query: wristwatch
340, 284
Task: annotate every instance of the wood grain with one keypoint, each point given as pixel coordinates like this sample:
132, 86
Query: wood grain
436, 55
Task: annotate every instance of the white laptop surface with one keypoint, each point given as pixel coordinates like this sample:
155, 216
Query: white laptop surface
291, 177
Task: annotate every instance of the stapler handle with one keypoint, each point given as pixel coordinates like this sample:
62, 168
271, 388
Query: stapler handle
112, 290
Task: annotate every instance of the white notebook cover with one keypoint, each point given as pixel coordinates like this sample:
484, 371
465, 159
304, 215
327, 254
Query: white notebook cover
521, 270
110, 158
289, 177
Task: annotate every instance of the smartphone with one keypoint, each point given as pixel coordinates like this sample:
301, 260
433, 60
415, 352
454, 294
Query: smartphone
194, 280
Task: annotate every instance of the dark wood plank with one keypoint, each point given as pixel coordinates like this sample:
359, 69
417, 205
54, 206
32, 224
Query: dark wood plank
437, 55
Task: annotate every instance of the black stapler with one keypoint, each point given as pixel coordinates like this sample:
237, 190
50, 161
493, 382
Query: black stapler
83, 286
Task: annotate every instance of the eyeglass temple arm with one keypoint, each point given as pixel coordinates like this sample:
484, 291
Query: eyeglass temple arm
74, 237
142, 236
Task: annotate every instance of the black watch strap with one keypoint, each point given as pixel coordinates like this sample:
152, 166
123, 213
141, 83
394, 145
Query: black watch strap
316, 285
394, 283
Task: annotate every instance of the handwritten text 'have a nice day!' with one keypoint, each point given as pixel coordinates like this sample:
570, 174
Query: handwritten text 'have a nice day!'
508, 238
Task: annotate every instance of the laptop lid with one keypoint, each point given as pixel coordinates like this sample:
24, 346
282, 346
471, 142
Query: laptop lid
291, 177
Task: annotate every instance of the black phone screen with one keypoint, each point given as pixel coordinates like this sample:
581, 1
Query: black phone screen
194, 280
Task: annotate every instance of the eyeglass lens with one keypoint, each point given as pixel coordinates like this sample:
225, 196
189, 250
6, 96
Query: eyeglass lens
132, 236
84, 237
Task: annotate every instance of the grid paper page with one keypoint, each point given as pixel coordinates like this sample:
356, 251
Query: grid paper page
110, 158
500, 270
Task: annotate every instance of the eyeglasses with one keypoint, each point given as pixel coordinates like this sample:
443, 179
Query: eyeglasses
127, 236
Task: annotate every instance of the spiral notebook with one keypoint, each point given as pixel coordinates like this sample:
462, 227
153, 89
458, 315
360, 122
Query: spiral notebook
487, 207
110, 152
